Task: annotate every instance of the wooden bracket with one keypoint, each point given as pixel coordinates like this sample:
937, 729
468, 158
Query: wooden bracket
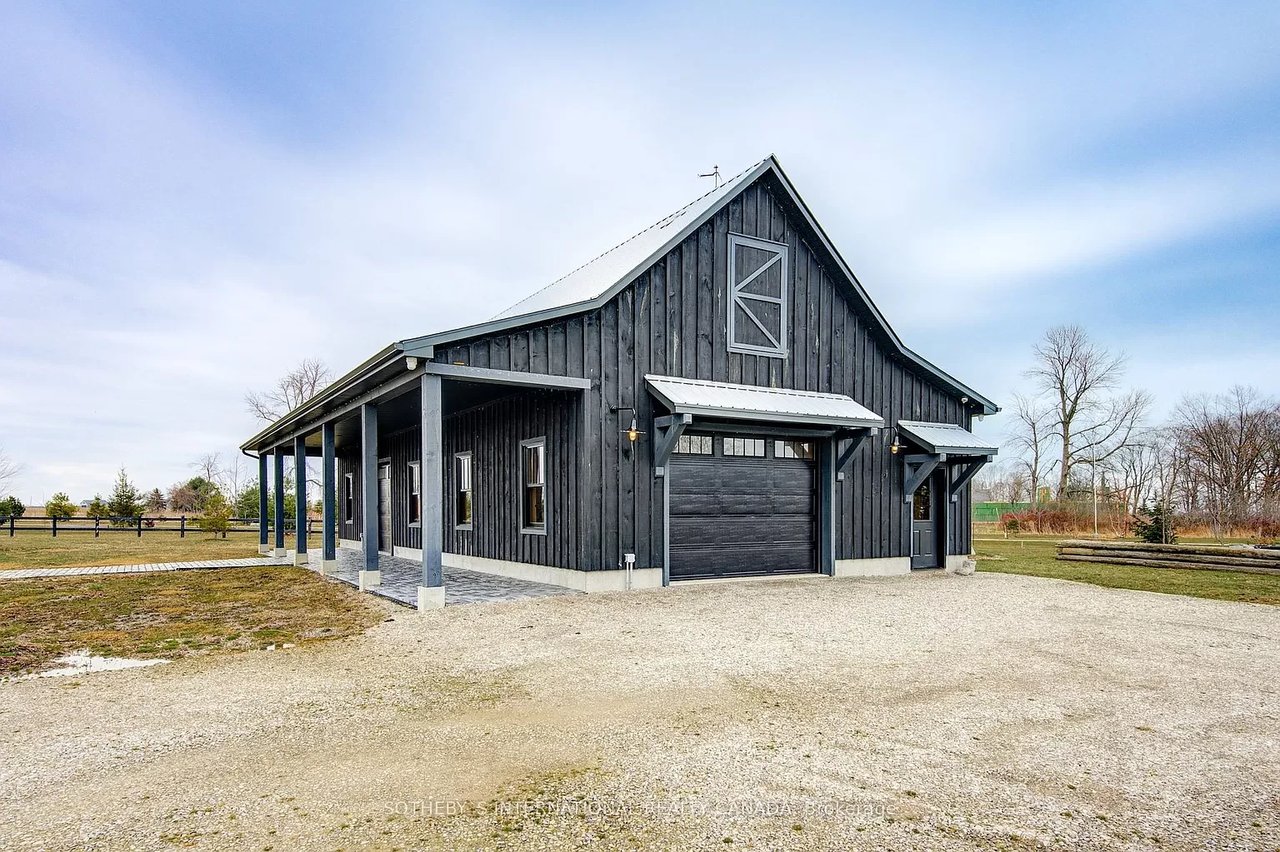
924, 464
667, 431
855, 443
968, 472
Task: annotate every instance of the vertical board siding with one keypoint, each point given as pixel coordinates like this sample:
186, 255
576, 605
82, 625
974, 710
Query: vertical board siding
492, 434
673, 321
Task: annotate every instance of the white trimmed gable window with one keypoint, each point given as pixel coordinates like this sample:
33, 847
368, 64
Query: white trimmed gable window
758, 278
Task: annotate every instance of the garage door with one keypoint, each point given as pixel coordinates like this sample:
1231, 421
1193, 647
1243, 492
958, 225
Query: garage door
742, 506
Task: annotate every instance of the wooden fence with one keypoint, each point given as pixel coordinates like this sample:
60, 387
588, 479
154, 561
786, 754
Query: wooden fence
157, 524
1211, 557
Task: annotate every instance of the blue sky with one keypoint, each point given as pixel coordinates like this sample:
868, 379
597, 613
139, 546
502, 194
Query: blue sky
182, 185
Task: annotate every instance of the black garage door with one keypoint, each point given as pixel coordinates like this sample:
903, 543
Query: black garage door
742, 506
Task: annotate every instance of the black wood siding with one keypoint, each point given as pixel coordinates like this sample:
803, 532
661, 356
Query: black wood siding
673, 321
492, 433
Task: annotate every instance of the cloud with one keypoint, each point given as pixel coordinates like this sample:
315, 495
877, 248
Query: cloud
168, 241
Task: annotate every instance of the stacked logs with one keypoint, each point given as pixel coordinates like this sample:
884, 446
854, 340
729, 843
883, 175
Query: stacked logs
1209, 557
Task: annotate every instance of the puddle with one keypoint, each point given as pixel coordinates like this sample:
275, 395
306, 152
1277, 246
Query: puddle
86, 663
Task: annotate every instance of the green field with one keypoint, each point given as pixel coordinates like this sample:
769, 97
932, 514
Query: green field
39, 549
1034, 556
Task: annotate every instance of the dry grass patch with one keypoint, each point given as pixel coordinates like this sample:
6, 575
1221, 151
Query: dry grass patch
173, 614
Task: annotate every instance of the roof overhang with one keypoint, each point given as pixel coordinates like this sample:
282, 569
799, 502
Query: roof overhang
782, 406
384, 366
945, 438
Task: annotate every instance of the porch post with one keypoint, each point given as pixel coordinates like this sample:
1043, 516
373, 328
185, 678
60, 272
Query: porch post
370, 576
300, 491
263, 547
431, 592
329, 544
278, 457
827, 521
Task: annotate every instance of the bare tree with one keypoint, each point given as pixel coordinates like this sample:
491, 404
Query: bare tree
1030, 439
1136, 468
1231, 445
294, 388
9, 471
233, 478
1089, 421
209, 466
1002, 483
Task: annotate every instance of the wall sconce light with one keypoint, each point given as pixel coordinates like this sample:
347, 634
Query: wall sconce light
895, 447
633, 432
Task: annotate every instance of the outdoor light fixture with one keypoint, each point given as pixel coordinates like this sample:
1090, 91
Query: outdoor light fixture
411, 361
633, 432
895, 446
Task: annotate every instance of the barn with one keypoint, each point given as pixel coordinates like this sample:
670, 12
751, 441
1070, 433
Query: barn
717, 396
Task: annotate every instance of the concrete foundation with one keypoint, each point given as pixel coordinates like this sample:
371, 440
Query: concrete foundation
430, 597
889, 566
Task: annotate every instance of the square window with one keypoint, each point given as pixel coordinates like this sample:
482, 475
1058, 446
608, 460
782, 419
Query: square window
533, 464
793, 450
748, 447
462, 497
758, 281
694, 445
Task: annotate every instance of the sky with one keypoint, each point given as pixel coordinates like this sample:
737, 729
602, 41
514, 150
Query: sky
196, 196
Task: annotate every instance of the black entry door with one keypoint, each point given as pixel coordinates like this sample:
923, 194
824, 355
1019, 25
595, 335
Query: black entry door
384, 508
742, 506
924, 527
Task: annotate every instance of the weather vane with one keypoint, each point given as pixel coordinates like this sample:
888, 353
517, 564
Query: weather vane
714, 173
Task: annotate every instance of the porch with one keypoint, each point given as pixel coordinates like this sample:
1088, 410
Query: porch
402, 577
382, 448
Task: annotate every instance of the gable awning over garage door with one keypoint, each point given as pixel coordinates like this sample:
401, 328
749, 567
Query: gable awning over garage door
780, 406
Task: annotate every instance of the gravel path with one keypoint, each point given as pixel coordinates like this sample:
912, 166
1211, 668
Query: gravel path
928, 712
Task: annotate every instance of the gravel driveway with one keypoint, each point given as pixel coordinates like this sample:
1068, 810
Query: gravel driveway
928, 712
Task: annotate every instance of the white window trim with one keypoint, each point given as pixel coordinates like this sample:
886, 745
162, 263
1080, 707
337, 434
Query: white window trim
457, 490
540, 441
736, 296
349, 499
414, 466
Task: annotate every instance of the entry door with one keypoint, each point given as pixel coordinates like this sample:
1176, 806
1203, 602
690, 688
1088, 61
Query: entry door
924, 526
384, 508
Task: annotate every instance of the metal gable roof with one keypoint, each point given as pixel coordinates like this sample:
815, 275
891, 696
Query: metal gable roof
620, 264
596, 282
748, 402
593, 284
945, 438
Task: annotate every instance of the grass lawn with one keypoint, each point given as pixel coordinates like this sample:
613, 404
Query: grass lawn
1035, 557
172, 615
35, 549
